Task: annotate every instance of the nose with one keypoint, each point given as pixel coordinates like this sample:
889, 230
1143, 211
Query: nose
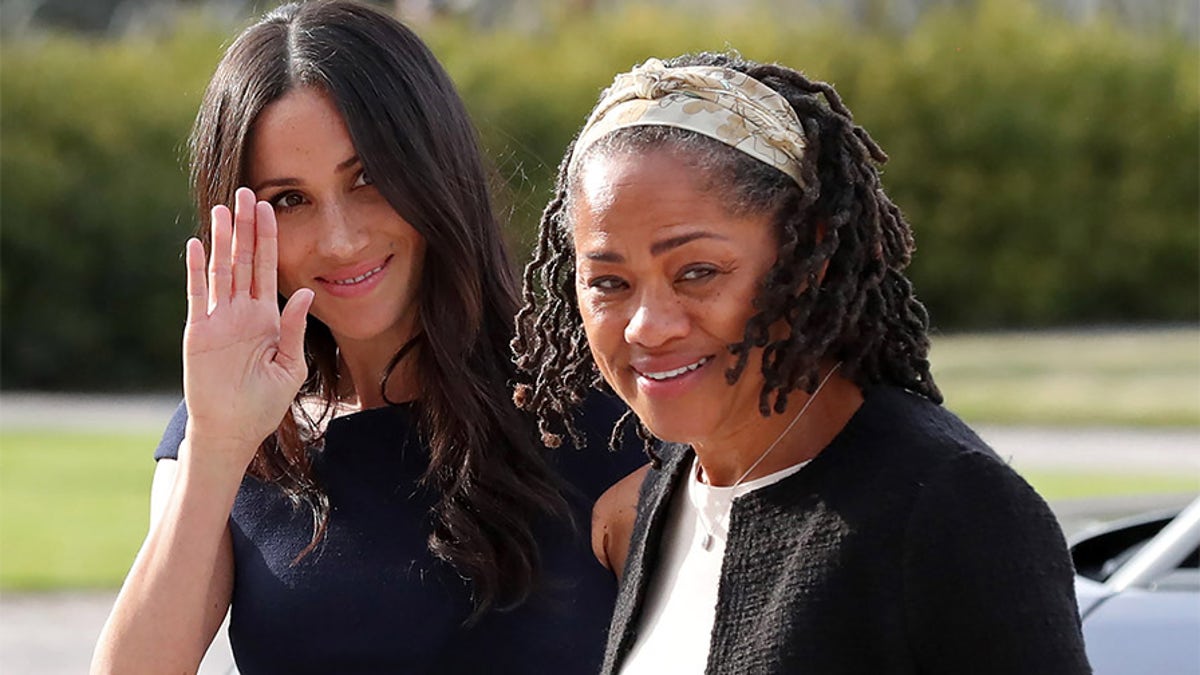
343, 235
657, 319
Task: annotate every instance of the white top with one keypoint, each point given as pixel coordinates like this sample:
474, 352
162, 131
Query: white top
675, 628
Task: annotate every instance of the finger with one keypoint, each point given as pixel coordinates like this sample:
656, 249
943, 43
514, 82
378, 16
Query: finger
266, 252
291, 329
219, 274
243, 240
197, 285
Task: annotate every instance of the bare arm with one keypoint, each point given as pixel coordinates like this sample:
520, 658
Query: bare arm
177, 592
613, 517
221, 585
243, 364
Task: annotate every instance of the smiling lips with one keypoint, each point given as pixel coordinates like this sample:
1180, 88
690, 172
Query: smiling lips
362, 277
666, 375
353, 282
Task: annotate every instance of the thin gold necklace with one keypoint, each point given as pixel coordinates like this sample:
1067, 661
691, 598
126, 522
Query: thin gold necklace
709, 528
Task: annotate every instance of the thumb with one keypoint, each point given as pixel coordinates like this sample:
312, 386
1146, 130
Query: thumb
291, 327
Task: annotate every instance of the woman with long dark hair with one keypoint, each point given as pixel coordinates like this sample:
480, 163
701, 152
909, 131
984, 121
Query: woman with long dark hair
349, 474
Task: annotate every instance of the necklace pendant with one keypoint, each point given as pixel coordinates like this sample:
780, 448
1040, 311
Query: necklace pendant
707, 542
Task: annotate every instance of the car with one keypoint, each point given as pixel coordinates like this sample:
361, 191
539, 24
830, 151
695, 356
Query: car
1138, 587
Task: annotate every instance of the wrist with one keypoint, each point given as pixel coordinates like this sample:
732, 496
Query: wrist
202, 490
218, 453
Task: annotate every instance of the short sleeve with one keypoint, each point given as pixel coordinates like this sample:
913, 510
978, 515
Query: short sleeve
988, 581
168, 446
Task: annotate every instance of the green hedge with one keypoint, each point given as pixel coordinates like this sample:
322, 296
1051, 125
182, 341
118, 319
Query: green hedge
94, 208
1051, 170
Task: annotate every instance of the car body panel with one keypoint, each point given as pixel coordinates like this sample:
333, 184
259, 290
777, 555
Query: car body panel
1139, 631
1138, 590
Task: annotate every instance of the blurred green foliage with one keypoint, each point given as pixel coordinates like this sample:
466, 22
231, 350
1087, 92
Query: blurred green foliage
1050, 169
94, 208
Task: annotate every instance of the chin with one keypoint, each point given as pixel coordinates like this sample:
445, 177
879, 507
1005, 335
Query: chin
359, 330
674, 427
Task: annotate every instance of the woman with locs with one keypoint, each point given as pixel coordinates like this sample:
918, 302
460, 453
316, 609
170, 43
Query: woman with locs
721, 254
349, 476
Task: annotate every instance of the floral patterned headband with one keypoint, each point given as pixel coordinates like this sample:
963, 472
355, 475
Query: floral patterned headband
720, 103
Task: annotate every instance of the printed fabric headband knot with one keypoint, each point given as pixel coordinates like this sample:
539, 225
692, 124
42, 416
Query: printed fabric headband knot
720, 103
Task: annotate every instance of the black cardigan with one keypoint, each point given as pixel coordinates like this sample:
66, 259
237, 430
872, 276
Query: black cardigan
906, 546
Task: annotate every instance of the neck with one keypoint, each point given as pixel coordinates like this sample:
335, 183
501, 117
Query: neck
364, 364
724, 463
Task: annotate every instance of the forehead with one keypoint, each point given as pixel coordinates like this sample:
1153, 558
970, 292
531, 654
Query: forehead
301, 129
610, 186
606, 164
635, 200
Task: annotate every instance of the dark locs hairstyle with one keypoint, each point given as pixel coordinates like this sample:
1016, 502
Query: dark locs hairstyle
415, 140
838, 282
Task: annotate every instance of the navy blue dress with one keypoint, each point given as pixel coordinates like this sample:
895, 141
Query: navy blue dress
372, 599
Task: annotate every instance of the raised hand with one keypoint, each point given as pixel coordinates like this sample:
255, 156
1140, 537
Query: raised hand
243, 360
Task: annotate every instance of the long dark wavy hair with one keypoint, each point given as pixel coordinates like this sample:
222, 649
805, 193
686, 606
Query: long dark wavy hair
838, 282
414, 138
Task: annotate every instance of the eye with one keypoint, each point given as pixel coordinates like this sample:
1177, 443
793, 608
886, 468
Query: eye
607, 284
362, 180
285, 201
697, 272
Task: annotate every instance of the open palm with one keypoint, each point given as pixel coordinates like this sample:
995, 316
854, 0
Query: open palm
243, 360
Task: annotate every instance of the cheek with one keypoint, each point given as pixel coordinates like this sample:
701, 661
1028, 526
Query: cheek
402, 238
603, 331
604, 350
388, 222
591, 323
739, 317
739, 306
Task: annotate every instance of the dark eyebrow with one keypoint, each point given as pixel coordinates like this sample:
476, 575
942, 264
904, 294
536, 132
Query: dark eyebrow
605, 256
275, 182
290, 182
660, 247
657, 248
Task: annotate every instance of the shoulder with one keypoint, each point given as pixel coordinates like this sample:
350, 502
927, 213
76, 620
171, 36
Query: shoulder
910, 417
907, 433
613, 518
963, 492
652, 491
982, 553
983, 492
949, 455
903, 454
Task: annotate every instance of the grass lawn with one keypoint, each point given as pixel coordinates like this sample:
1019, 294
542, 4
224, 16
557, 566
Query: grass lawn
1058, 485
74, 506
1109, 378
